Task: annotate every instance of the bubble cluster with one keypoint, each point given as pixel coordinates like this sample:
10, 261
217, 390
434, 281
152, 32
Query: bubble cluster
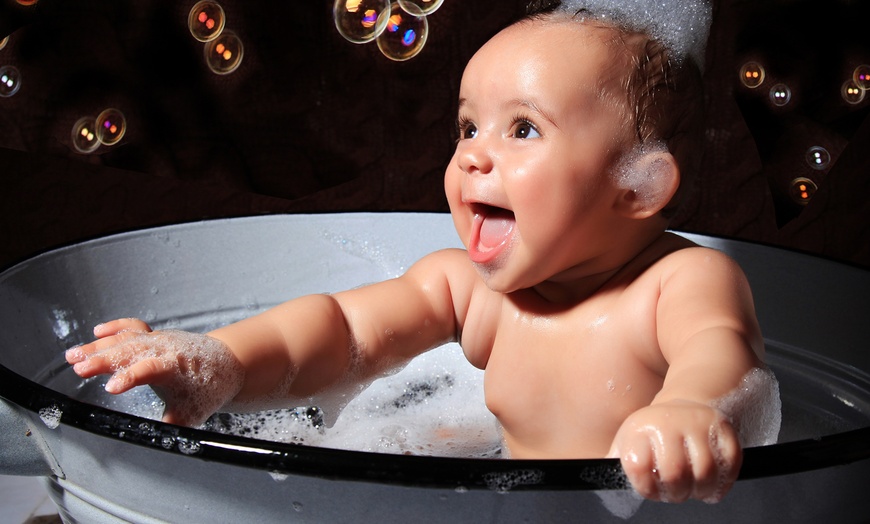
852, 92
111, 126
361, 21
752, 74
802, 190
107, 129
50, 416
10, 80
405, 35
818, 158
224, 54
780, 95
424, 7
861, 77
755, 408
399, 27
223, 50
84, 135
206, 20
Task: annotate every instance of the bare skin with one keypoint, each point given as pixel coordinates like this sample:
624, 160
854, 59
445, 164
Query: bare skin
601, 335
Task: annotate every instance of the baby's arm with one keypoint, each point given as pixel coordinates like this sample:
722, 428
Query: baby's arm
293, 350
681, 446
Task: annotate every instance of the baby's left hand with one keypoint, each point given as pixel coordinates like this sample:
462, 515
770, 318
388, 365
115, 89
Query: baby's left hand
677, 450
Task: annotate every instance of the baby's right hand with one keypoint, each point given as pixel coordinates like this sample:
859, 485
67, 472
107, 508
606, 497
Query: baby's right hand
194, 374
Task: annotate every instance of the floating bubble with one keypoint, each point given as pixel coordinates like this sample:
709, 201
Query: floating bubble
852, 93
361, 21
10, 80
110, 126
84, 135
425, 7
3, 42
405, 34
224, 54
780, 95
752, 74
26, 2
206, 20
818, 157
861, 76
802, 190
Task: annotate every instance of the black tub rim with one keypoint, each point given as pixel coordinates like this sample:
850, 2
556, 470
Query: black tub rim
406, 470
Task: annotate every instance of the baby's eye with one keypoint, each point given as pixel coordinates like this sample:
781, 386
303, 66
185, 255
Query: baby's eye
467, 130
524, 129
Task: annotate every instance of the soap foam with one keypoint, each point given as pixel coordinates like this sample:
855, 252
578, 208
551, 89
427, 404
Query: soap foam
431, 407
682, 26
755, 408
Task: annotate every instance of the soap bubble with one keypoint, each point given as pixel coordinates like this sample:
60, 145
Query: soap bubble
3, 42
818, 157
110, 126
861, 76
802, 190
224, 54
405, 34
752, 74
84, 135
425, 7
206, 20
10, 80
26, 2
780, 95
361, 21
852, 92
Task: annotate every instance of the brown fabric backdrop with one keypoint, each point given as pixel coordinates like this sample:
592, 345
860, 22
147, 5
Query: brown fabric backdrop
312, 123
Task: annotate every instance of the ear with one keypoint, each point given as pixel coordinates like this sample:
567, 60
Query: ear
648, 184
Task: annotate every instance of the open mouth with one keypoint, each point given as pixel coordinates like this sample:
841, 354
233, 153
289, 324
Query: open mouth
492, 230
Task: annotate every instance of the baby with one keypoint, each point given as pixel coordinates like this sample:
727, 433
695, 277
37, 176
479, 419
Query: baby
574, 133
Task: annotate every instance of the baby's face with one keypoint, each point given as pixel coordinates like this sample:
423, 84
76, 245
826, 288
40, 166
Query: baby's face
529, 186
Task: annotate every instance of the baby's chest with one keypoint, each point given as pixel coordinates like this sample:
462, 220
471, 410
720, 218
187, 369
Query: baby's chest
580, 378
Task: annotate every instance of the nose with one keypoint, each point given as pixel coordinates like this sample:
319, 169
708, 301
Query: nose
473, 157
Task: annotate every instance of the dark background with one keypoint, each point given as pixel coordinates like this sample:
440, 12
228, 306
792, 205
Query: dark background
312, 123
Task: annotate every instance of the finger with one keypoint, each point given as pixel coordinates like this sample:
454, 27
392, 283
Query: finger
113, 327
85, 351
639, 466
674, 470
147, 371
728, 457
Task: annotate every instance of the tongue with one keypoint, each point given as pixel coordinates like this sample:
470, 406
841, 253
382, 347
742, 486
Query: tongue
496, 228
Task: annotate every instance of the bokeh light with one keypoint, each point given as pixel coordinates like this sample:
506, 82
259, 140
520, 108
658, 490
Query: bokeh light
361, 21
84, 135
206, 20
780, 95
852, 92
110, 127
818, 157
752, 74
405, 35
10, 80
861, 76
223, 55
424, 7
802, 190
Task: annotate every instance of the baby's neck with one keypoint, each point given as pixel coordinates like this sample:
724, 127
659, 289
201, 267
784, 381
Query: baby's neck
575, 286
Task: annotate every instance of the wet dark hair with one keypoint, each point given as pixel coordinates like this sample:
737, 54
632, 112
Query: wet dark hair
665, 96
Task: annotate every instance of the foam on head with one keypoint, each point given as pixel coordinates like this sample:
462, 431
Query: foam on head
682, 26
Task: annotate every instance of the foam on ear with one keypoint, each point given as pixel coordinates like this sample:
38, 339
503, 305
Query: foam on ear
650, 172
